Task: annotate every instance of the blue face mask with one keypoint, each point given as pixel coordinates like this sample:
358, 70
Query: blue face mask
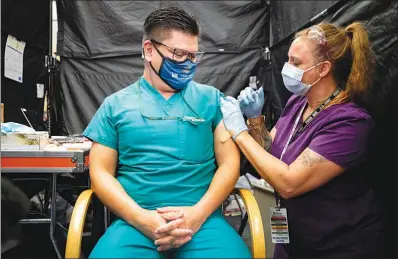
176, 74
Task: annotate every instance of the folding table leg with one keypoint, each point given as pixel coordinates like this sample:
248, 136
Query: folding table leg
53, 222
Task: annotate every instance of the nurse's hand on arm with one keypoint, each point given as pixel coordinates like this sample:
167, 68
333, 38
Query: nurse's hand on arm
251, 104
223, 183
309, 171
103, 162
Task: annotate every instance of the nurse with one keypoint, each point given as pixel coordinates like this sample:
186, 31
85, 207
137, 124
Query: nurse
157, 161
313, 155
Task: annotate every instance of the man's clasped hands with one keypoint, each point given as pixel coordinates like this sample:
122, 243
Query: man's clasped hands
172, 227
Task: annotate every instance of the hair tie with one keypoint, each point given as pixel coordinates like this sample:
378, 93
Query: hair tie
348, 33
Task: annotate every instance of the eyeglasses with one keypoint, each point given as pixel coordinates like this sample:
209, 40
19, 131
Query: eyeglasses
180, 55
193, 120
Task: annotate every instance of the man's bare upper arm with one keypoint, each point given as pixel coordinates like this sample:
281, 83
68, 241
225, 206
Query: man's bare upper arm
102, 158
227, 150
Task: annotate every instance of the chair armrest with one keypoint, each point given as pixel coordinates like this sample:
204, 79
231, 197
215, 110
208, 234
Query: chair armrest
255, 222
75, 232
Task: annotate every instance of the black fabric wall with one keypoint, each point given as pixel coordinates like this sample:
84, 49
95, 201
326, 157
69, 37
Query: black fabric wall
100, 47
289, 16
286, 18
27, 21
381, 19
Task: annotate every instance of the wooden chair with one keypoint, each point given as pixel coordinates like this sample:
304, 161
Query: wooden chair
74, 239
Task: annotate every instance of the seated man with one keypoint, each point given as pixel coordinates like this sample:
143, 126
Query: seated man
155, 144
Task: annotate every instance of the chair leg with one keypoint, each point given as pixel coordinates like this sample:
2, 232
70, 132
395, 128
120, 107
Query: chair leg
97, 224
243, 224
46, 200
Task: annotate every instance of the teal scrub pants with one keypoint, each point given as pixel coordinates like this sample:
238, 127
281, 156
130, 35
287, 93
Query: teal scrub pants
215, 239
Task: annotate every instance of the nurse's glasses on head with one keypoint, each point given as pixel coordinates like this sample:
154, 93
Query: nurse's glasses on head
181, 55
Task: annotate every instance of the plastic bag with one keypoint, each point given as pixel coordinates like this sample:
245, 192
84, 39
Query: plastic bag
9, 127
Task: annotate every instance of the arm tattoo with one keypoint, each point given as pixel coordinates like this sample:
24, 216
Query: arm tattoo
262, 136
309, 159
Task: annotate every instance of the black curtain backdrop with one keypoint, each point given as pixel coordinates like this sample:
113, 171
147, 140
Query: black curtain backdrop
100, 46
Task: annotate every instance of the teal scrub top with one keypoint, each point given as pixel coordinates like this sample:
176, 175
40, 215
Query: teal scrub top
163, 160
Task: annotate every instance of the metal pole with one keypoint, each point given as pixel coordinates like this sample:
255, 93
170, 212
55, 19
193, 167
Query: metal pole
53, 222
50, 38
271, 38
50, 63
34, 221
53, 215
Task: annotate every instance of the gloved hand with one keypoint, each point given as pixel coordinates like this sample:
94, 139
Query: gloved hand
233, 117
251, 102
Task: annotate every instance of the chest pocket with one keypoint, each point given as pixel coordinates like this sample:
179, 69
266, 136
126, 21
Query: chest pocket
143, 140
196, 142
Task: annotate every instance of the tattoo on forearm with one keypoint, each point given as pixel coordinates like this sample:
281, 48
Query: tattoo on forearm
262, 136
267, 140
309, 159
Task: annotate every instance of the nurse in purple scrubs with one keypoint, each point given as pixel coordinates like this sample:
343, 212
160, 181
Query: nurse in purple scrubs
312, 157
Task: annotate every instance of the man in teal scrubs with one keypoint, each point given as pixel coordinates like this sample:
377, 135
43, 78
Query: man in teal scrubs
157, 159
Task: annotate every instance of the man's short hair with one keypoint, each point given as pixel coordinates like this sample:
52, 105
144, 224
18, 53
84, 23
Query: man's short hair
159, 24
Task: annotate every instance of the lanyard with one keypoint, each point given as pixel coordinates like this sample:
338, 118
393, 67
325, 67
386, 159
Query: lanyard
303, 126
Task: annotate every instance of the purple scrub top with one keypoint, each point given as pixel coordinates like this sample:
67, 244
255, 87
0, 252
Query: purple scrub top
340, 218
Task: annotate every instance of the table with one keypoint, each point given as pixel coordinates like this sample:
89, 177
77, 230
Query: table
51, 162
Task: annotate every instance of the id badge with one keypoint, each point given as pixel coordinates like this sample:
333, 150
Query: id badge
279, 226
